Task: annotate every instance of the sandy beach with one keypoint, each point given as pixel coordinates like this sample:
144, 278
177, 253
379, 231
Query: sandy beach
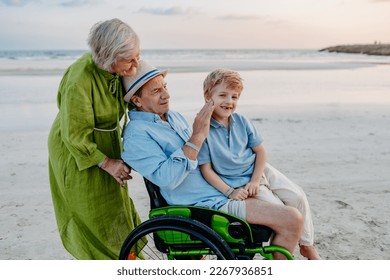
335, 146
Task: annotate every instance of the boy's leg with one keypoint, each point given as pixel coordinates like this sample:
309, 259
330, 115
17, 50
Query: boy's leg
265, 194
286, 222
293, 195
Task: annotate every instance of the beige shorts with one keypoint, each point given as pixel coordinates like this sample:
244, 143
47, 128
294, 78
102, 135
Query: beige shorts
235, 207
238, 207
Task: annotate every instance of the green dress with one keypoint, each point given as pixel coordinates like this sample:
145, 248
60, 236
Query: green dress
94, 213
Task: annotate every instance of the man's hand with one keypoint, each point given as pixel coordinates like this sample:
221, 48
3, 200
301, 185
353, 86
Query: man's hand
201, 125
200, 130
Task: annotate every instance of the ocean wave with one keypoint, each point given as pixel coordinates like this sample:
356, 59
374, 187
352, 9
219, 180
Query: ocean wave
54, 62
40, 54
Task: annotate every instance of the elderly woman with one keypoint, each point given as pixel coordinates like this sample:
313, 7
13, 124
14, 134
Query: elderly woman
87, 177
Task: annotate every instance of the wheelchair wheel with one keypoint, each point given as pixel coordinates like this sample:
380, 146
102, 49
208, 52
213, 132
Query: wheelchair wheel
174, 237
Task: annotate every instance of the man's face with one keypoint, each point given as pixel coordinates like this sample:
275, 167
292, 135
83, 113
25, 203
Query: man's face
154, 97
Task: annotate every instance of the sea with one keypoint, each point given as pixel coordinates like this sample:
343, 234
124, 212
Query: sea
195, 60
29, 79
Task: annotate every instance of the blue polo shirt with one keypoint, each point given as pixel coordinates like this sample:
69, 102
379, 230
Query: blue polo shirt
153, 148
229, 150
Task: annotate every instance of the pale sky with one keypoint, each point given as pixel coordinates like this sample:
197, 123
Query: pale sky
160, 24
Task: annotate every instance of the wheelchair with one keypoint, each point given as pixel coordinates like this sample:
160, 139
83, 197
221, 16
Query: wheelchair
196, 233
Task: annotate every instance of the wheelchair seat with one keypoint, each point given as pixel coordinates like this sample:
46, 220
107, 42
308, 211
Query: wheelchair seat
231, 228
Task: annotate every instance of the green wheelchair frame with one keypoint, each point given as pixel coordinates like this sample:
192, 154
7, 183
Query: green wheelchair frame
192, 233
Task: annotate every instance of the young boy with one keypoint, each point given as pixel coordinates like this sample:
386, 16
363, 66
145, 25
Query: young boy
233, 159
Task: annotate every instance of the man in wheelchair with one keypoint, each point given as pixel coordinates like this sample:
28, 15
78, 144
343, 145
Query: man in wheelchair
162, 147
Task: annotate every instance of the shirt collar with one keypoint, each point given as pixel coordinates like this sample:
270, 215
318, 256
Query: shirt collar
216, 124
145, 116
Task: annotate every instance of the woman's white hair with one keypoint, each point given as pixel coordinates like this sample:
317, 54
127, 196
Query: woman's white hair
110, 41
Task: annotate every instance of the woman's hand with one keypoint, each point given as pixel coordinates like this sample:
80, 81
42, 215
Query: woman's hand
117, 169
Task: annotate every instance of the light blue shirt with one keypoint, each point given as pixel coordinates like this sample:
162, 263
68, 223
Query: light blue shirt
229, 150
153, 148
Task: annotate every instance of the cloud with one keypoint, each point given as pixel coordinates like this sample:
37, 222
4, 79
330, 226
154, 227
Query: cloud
262, 18
173, 11
63, 3
239, 17
15, 3
78, 3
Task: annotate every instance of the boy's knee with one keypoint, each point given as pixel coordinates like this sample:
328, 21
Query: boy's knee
297, 199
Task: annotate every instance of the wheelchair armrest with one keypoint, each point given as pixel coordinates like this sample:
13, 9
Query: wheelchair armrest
156, 199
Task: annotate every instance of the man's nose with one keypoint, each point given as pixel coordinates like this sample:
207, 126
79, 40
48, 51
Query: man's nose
165, 94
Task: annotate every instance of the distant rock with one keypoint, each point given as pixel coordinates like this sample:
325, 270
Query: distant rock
369, 49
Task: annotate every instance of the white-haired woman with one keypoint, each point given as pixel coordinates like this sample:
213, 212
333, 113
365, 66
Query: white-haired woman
87, 176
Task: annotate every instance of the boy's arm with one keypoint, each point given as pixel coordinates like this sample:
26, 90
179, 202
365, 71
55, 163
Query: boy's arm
261, 158
213, 179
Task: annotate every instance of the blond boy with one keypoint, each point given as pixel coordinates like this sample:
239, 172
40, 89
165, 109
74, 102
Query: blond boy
233, 158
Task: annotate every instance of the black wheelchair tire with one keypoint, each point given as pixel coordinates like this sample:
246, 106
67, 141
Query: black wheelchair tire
195, 229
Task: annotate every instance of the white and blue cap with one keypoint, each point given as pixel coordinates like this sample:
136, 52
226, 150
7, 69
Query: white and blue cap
145, 72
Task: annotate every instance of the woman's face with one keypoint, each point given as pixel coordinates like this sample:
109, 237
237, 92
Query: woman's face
127, 66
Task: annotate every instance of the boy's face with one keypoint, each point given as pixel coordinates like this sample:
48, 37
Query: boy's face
225, 101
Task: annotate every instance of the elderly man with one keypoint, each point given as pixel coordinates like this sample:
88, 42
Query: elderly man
162, 147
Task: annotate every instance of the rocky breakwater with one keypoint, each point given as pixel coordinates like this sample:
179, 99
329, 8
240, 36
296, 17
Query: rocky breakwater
369, 49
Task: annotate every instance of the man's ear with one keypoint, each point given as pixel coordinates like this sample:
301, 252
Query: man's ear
136, 101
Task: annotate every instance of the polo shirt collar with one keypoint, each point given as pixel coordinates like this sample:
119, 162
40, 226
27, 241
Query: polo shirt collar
216, 124
145, 116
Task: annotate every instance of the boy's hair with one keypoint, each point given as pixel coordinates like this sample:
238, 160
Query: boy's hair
232, 79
